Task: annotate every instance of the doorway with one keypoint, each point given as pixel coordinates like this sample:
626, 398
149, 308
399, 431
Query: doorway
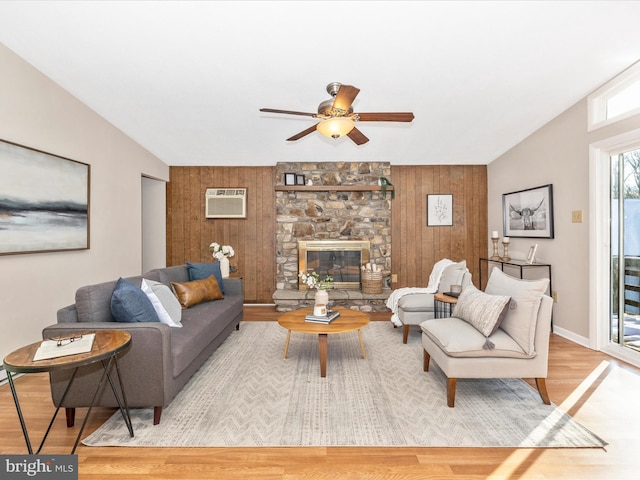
614, 296
624, 314
154, 249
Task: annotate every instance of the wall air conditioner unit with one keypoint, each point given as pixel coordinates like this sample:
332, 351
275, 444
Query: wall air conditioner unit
226, 203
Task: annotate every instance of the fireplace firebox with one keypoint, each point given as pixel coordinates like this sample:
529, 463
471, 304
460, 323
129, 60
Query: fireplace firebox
341, 259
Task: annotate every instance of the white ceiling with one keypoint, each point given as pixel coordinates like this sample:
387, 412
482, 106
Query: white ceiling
186, 79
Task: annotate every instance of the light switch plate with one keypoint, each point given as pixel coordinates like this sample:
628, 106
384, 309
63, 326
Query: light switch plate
576, 216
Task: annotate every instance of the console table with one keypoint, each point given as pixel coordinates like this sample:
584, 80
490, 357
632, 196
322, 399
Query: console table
521, 265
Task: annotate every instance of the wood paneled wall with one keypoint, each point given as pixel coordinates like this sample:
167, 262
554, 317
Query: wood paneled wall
415, 247
189, 233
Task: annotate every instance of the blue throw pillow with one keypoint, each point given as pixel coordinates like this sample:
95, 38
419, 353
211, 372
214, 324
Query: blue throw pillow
200, 271
130, 304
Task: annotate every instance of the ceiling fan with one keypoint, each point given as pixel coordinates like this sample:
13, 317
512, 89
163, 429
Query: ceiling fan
337, 117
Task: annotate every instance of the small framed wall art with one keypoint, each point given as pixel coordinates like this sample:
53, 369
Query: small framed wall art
300, 180
439, 210
528, 213
289, 178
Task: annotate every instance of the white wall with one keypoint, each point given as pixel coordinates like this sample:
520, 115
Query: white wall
558, 153
35, 112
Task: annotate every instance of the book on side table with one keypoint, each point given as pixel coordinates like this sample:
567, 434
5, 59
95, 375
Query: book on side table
63, 346
328, 318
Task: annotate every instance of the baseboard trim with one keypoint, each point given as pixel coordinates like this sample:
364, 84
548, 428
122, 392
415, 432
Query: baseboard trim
569, 335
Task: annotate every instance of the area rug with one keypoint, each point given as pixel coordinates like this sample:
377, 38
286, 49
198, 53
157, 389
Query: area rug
248, 395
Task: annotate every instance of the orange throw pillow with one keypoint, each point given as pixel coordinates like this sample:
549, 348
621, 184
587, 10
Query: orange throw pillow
197, 291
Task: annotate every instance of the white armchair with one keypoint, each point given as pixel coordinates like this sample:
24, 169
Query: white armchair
415, 308
476, 346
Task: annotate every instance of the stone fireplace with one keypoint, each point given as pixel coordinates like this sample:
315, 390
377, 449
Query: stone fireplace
343, 203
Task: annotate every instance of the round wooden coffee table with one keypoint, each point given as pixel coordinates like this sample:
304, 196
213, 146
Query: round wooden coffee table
348, 321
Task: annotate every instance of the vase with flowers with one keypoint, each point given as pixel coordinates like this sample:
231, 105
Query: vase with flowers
222, 253
312, 281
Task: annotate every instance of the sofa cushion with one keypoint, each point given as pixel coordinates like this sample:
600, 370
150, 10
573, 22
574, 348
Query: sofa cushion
202, 324
458, 338
416, 302
526, 295
484, 312
452, 275
93, 302
177, 273
164, 302
197, 291
200, 271
130, 304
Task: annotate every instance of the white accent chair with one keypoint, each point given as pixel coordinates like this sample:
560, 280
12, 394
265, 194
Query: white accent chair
415, 308
519, 345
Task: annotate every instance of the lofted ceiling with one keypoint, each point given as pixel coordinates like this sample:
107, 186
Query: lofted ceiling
186, 80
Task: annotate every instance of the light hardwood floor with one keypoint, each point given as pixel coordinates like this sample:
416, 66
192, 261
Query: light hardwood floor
600, 392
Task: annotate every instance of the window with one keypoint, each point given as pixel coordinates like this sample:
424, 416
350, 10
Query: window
625, 101
618, 99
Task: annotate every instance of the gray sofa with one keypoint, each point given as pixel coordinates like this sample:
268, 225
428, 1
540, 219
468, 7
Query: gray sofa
161, 358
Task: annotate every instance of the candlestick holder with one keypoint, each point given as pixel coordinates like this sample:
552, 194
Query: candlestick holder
506, 256
495, 255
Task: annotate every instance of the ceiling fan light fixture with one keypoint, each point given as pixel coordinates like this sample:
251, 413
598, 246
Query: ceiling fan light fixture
336, 127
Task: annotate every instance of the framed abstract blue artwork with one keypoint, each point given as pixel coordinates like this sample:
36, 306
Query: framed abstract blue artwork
44, 201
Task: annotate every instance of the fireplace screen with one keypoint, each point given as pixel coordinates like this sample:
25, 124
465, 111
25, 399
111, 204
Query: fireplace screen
341, 259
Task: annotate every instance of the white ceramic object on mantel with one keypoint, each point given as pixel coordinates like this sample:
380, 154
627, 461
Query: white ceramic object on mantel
224, 267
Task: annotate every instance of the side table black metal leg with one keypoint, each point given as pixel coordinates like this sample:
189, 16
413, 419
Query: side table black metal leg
21, 417
122, 405
17, 403
55, 414
93, 401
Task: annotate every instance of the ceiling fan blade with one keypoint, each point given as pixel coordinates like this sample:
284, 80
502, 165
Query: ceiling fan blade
386, 117
345, 97
357, 136
303, 133
289, 112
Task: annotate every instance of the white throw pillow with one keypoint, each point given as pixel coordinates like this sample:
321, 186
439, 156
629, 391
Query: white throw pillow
164, 302
452, 275
483, 311
526, 295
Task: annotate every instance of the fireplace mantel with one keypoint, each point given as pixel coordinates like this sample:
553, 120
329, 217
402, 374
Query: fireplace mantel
331, 188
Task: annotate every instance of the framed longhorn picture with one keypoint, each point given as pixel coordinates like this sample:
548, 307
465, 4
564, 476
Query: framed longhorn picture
528, 213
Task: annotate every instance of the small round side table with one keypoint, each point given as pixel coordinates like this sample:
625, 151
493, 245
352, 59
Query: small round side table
107, 344
443, 305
